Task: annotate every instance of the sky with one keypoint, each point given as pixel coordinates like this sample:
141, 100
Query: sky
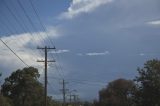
97, 41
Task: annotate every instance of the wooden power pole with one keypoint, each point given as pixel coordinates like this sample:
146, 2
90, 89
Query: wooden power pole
64, 91
45, 75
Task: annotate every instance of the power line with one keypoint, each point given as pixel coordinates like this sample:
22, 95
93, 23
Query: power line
44, 29
14, 16
22, 25
78, 81
52, 88
60, 66
14, 53
10, 31
29, 19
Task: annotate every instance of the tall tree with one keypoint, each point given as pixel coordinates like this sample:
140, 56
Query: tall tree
4, 101
24, 88
117, 93
148, 84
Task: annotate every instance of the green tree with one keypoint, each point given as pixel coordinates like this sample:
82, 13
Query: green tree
4, 101
23, 88
117, 93
87, 103
148, 84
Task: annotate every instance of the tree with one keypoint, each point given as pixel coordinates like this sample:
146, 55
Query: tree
87, 103
148, 84
4, 101
23, 88
117, 93
95, 103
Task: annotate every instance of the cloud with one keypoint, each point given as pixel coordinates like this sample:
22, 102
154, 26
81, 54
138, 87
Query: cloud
82, 6
141, 54
28, 55
156, 22
25, 46
54, 32
98, 53
60, 51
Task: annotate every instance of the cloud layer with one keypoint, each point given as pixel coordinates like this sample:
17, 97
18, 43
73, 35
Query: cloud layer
82, 6
60, 51
25, 46
156, 22
98, 53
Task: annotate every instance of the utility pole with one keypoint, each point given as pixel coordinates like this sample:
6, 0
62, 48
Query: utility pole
70, 98
75, 99
45, 75
70, 95
64, 91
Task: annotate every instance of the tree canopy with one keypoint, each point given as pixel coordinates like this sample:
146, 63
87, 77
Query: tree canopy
144, 90
4, 101
117, 93
23, 87
148, 84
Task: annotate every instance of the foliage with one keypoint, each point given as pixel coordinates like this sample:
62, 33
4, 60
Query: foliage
4, 101
23, 88
148, 84
51, 102
87, 103
117, 93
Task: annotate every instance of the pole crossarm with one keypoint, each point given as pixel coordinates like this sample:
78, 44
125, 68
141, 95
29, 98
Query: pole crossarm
46, 47
45, 75
47, 61
64, 90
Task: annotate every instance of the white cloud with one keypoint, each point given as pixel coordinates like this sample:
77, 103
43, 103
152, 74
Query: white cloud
60, 51
28, 55
141, 54
156, 22
21, 39
98, 53
54, 32
25, 46
82, 6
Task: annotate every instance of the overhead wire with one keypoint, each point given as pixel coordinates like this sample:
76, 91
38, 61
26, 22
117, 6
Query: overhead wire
23, 9
61, 67
30, 32
81, 81
29, 19
45, 30
11, 32
26, 14
14, 53
38, 17
23, 26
